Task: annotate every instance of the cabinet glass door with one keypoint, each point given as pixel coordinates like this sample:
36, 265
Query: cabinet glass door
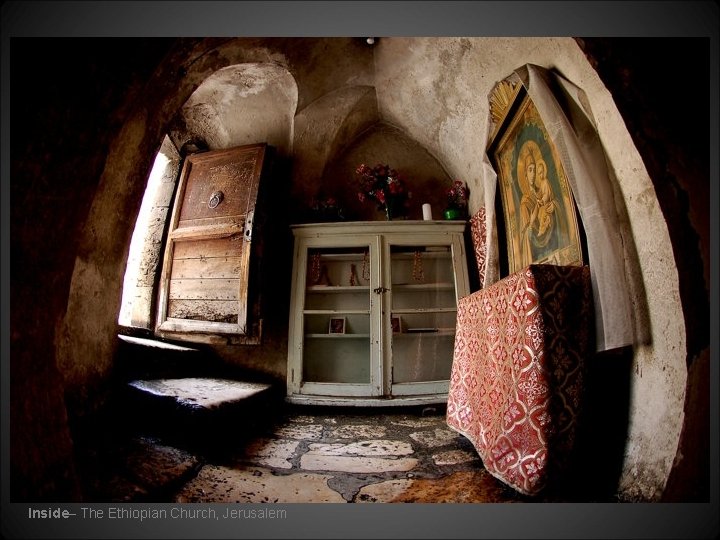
337, 330
423, 310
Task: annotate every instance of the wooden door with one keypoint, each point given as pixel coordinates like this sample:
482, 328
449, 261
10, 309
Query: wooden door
204, 284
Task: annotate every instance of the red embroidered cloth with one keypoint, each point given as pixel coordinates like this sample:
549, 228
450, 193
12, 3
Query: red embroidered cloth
478, 234
517, 374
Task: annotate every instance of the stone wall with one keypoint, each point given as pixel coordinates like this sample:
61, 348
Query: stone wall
80, 160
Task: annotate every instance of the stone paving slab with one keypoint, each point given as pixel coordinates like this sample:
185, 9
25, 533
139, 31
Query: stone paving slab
454, 457
312, 461
357, 431
433, 439
302, 419
219, 484
418, 423
378, 447
272, 453
373, 456
301, 432
461, 487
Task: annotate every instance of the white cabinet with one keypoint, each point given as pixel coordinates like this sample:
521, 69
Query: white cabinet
373, 311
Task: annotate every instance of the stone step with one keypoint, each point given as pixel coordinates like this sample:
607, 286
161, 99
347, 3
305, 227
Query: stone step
197, 394
198, 410
143, 358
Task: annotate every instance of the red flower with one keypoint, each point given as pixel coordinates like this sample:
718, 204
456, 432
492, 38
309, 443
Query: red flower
457, 194
383, 184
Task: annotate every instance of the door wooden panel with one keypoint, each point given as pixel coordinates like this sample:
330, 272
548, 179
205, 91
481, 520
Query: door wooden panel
212, 249
204, 310
232, 173
207, 260
203, 289
217, 267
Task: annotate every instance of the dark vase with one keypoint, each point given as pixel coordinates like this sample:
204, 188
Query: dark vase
390, 210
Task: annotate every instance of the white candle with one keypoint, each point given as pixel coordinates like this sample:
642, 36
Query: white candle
427, 212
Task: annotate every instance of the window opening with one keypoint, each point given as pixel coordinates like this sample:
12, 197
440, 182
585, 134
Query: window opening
144, 256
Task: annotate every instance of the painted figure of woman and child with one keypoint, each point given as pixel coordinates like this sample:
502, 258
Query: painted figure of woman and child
539, 209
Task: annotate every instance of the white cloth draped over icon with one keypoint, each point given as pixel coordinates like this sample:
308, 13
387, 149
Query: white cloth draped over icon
572, 130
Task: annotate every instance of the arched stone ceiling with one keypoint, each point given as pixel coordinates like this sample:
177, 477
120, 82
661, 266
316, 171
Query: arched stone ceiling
243, 104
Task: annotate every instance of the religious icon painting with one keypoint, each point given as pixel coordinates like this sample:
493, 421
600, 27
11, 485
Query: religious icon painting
541, 224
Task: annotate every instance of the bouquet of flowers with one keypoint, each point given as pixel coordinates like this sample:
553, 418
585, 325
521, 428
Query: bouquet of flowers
383, 185
457, 195
326, 209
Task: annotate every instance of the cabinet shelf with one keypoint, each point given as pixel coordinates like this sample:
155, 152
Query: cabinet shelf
423, 255
439, 332
341, 257
413, 311
336, 312
423, 287
330, 289
338, 336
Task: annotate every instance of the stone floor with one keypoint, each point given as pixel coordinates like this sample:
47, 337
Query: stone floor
299, 454
326, 457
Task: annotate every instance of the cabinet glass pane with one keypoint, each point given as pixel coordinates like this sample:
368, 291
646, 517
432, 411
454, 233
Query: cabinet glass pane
339, 270
423, 313
422, 357
336, 360
336, 316
422, 277
321, 297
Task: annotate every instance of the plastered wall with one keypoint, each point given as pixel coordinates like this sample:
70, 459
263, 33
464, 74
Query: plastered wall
437, 91
432, 91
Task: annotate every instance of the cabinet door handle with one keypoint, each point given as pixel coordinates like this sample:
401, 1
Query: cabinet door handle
380, 290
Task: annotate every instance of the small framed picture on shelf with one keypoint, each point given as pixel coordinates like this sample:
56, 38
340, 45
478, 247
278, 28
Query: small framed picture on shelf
337, 325
396, 324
